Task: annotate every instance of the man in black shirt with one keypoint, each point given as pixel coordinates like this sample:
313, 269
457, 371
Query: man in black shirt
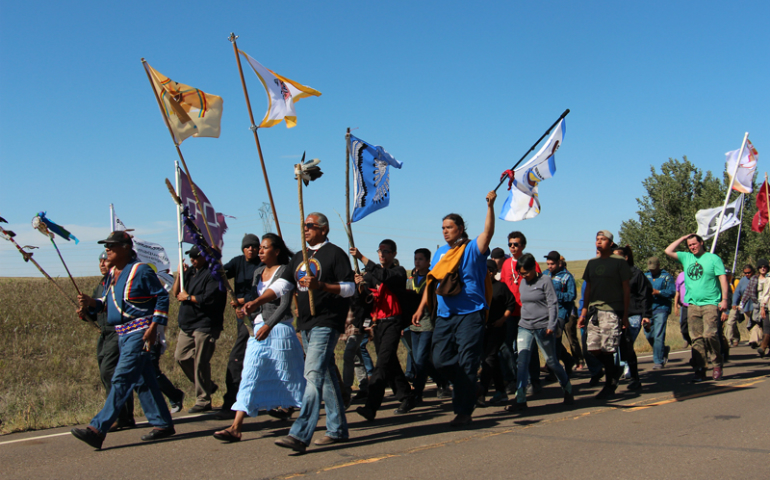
330, 278
201, 317
241, 268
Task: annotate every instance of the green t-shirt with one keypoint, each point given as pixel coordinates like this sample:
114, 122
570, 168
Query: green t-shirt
701, 278
605, 277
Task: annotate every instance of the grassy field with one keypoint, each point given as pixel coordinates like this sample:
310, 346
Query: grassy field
48, 371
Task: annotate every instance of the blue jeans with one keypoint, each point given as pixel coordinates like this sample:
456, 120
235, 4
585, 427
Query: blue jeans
635, 322
365, 357
319, 343
547, 345
423, 365
134, 371
458, 343
657, 334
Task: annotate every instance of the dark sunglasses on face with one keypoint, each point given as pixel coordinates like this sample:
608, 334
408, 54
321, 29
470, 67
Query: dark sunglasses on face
747, 273
514, 244
310, 225
386, 252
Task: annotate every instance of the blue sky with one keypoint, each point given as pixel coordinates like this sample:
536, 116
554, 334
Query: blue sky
457, 91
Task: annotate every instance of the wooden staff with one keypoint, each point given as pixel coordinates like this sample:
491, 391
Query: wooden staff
27, 256
302, 239
233, 37
767, 197
348, 226
65, 264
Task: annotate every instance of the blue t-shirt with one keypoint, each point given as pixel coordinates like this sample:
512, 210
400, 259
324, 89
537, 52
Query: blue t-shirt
473, 269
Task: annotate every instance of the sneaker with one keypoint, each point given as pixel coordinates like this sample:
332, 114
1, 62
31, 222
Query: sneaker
366, 413
225, 413
89, 435
717, 372
177, 407
290, 442
406, 405
626, 373
596, 379
460, 420
761, 352
606, 392
158, 433
634, 384
199, 408
444, 393
569, 399
753, 344
657, 366
498, 398
666, 351
700, 376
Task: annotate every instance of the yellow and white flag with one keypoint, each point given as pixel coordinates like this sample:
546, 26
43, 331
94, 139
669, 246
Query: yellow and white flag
189, 111
281, 95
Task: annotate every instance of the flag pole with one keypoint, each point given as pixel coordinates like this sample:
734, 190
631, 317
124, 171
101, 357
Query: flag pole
348, 225
179, 235
112, 218
561, 117
302, 239
738, 240
767, 197
233, 37
65, 264
729, 190
179, 152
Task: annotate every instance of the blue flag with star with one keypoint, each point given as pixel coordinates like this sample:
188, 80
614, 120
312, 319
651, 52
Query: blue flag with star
371, 177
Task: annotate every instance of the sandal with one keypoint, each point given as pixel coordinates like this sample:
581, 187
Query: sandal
226, 436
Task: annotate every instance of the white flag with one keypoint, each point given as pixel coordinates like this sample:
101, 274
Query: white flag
744, 179
147, 252
708, 219
282, 93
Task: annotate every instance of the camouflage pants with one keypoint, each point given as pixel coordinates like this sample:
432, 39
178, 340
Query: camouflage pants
603, 332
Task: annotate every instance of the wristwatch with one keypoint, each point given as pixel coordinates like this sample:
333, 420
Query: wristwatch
189, 297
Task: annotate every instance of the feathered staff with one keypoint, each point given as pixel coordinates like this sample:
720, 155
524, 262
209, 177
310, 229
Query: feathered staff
212, 255
48, 228
27, 256
306, 172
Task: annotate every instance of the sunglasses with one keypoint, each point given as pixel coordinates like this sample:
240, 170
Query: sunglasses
386, 252
747, 273
310, 225
111, 246
514, 244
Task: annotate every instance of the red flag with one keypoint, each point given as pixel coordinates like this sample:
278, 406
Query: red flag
760, 219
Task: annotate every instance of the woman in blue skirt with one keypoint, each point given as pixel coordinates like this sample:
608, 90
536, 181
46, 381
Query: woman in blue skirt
273, 370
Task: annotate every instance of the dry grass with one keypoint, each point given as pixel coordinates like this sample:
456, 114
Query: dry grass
48, 371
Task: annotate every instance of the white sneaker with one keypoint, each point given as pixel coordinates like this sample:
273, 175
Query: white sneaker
627, 373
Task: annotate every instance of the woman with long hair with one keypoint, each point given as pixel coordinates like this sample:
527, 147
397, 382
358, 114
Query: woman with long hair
539, 321
273, 370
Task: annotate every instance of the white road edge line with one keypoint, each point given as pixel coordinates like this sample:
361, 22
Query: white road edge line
138, 424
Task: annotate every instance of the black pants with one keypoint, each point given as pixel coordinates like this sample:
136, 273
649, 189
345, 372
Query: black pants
491, 369
235, 366
107, 355
387, 336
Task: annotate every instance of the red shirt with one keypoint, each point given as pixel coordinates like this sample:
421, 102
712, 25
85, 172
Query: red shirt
385, 303
510, 277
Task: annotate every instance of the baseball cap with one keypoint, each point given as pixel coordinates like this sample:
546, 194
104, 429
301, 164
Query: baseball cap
497, 253
606, 234
553, 255
193, 252
118, 237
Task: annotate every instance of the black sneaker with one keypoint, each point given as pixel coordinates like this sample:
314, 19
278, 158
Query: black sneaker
606, 392
158, 433
596, 379
89, 435
366, 413
406, 405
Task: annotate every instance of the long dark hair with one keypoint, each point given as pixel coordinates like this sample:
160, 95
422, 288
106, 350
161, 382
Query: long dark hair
284, 254
627, 253
459, 222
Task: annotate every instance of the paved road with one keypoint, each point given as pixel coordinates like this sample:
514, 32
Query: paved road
671, 429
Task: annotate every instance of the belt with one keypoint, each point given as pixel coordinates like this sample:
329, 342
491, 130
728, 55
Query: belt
133, 326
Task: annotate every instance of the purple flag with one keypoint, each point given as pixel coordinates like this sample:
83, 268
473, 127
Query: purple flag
215, 219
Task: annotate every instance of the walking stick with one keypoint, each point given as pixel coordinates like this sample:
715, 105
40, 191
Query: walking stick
306, 172
41, 227
27, 256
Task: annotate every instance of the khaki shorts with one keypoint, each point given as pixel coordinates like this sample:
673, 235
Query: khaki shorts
603, 332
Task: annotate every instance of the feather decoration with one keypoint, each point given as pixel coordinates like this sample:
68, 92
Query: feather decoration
48, 228
309, 171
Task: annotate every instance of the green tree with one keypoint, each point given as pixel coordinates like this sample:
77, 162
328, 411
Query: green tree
667, 212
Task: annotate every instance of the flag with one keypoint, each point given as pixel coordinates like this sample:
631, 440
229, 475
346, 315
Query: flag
215, 219
708, 219
189, 111
150, 253
744, 179
523, 201
371, 177
760, 219
47, 227
282, 93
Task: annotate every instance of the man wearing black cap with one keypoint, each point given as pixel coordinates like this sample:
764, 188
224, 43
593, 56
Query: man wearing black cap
498, 256
201, 317
136, 304
108, 351
242, 269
